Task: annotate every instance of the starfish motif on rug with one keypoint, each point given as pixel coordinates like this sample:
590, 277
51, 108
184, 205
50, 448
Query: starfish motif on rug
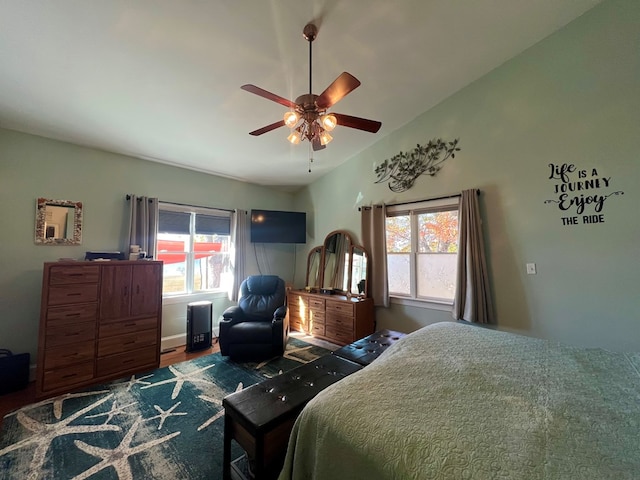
45, 433
134, 381
118, 458
115, 410
217, 402
164, 414
180, 378
57, 402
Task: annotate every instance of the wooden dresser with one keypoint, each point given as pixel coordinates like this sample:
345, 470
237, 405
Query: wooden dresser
98, 321
336, 318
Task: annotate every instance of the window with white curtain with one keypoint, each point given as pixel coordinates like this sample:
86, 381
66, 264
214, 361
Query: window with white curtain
193, 243
422, 250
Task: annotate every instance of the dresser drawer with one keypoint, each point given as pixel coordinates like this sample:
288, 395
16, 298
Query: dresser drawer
74, 313
61, 356
128, 342
340, 321
68, 376
316, 316
295, 324
316, 303
80, 293
66, 334
108, 329
127, 362
342, 308
65, 274
339, 336
317, 328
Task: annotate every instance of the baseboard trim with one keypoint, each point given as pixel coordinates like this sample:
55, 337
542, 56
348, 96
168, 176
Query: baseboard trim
174, 341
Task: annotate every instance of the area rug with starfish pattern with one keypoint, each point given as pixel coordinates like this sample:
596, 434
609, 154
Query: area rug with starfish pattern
163, 424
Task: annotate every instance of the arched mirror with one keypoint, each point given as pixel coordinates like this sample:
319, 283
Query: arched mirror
336, 260
58, 222
359, 271
338, 266
313, 268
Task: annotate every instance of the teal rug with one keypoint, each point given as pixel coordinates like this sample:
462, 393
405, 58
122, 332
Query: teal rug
163, 424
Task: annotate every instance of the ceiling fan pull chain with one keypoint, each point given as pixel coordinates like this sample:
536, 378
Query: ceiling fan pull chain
310, 156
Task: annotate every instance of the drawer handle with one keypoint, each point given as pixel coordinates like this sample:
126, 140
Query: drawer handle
68, 315
72, 334
69, 355
69, 375
129, 343
128, 361
73, 294
75, 274
132, 324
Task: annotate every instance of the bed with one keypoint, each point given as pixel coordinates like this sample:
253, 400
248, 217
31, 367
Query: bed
454, 401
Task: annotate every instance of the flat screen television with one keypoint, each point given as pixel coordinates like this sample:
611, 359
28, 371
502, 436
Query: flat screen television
273, 226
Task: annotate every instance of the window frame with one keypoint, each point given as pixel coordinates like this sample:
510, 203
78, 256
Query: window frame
193, 211
413, 209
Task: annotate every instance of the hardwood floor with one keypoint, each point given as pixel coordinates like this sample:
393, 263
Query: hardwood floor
14, 400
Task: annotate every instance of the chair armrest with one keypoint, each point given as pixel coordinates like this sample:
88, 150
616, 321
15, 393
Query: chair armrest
232, 313
280, 312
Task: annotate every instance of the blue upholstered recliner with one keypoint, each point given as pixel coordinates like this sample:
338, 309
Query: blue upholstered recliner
258, 327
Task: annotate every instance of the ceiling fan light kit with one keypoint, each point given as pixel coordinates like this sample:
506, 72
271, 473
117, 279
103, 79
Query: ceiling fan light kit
308, 116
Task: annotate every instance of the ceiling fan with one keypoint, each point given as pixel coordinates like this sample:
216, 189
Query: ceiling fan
308, 117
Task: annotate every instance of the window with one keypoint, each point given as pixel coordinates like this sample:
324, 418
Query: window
422, 250
194, 245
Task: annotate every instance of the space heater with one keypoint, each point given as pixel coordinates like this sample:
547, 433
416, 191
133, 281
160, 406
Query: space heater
199, 326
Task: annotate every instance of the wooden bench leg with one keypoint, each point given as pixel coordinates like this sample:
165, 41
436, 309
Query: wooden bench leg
226, 458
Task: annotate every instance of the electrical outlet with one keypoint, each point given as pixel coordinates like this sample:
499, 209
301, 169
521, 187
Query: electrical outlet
531, 268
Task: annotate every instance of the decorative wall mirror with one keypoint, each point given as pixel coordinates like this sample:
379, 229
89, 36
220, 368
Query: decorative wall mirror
58, 222
313, 267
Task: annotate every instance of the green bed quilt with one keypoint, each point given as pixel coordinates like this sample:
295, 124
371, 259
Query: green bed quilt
454, 401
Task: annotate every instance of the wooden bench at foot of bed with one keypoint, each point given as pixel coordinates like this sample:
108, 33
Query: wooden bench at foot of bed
260, 418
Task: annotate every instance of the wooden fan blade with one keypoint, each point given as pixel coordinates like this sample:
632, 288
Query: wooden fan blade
317, 145
269, 96
357, 122
340, 87
268, 128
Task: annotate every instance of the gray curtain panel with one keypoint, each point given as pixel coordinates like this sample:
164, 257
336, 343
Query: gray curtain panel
143, 223
473, 298
239, 241
374, 241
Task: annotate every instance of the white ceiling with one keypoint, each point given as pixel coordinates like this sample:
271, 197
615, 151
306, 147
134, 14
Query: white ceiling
160, 79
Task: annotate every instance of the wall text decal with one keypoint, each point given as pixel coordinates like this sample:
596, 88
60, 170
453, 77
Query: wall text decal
581, 194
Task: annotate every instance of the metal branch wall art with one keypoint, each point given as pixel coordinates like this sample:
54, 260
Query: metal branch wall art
402, 169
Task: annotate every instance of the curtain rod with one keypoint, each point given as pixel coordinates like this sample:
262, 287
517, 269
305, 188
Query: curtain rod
187, 205
444, 197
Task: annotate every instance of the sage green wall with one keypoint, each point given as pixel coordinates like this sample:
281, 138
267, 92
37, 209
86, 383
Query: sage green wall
32, 167
573, 98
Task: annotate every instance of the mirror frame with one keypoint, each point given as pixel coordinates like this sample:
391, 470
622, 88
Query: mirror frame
41, 212
315, 252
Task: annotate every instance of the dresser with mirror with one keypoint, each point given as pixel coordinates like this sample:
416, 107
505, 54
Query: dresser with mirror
334, 305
